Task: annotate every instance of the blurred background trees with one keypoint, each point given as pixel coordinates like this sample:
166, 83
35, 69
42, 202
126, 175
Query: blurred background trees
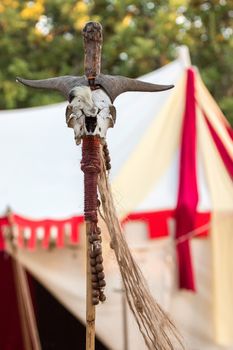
41, 38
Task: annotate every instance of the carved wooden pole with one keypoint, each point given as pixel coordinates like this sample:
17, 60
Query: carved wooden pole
90, 165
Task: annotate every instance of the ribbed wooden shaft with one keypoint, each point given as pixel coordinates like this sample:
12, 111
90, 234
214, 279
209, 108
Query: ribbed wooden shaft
90, 165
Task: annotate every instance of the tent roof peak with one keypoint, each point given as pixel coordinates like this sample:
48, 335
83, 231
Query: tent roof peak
184, 56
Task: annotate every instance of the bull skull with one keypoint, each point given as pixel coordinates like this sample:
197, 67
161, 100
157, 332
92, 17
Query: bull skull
89, 112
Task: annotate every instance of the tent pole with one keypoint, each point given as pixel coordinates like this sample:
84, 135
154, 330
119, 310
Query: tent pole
23, 320
26, 310
183, 56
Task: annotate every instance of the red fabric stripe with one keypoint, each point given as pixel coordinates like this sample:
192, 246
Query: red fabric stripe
3, 222
47, 224
32, 239
157, 225
188, 192
60, 236
157, 222
202, 219
2, 242
221, 148
46, 239
75, 222
37, 223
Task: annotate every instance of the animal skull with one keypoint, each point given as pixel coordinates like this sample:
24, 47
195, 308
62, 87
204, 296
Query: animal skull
89, 112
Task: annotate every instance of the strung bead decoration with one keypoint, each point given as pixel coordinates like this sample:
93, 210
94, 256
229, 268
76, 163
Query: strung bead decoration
94, 278
99, 267
102, 283
101, 275
107, 157
102, 297
95, 286
93, 270
99, 259
93, 262
96, 261
95, 293
95, 300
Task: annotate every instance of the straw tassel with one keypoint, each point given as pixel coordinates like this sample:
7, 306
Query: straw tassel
157, 329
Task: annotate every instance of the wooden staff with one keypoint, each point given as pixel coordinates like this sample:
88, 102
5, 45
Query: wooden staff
90, 164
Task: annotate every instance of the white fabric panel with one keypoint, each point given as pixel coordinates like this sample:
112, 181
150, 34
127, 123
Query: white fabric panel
40, 173
204, 203
136, 111
164, 195
153, 155
193, 312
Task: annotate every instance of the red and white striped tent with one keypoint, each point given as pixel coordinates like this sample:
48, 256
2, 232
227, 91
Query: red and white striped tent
172, 169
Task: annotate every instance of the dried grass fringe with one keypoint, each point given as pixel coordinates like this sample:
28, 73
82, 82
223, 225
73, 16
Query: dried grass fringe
154, 324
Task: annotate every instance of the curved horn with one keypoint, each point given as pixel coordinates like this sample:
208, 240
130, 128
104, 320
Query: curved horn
116, 85
63, 84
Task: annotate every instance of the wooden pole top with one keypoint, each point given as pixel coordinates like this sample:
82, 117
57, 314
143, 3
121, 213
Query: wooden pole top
92, 39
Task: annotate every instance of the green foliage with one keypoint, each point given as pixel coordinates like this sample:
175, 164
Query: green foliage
41, 39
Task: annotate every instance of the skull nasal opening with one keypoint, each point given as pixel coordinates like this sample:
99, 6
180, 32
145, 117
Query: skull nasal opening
91, 123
